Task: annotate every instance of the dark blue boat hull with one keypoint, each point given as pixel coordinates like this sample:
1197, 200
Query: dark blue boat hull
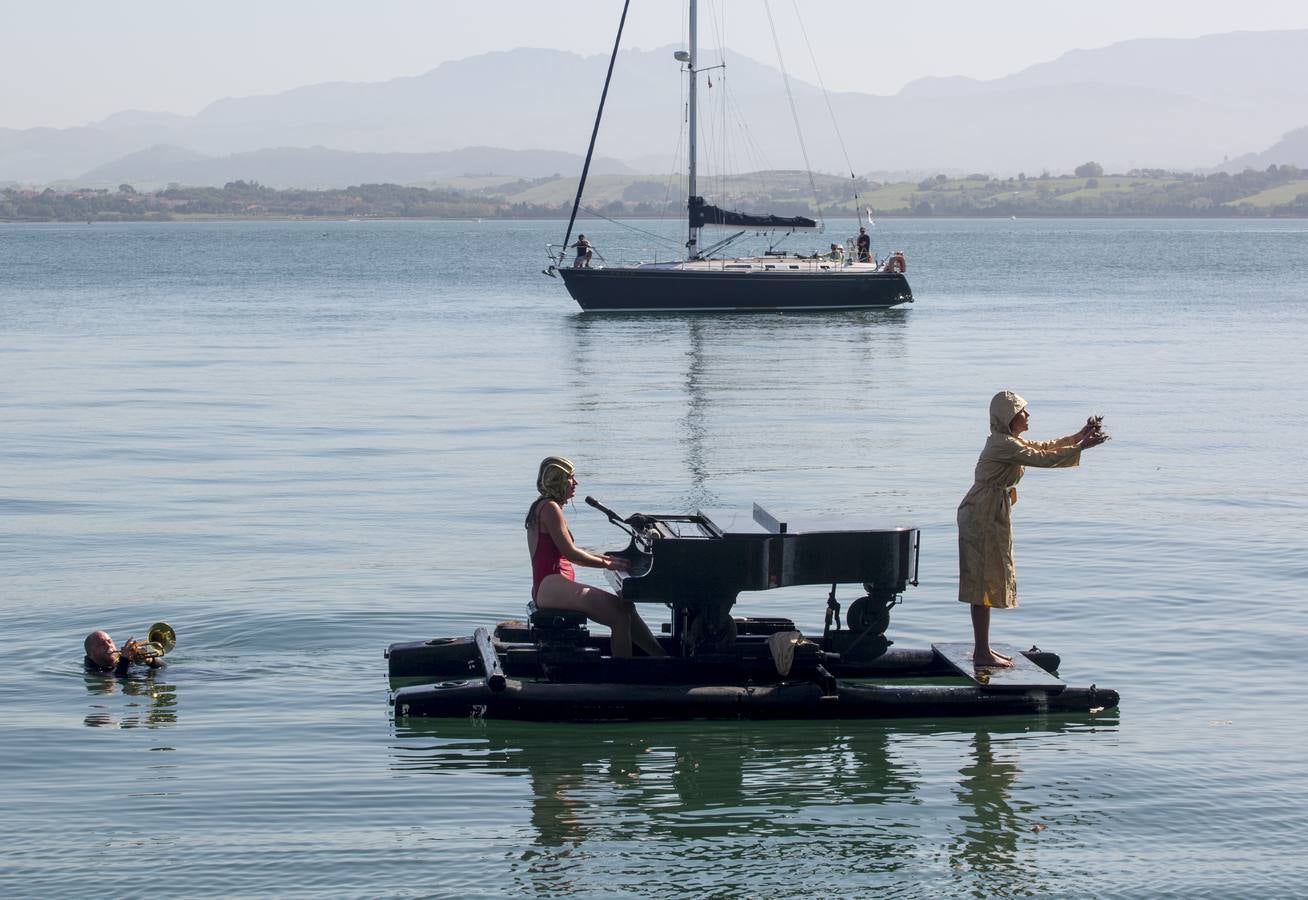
681, 290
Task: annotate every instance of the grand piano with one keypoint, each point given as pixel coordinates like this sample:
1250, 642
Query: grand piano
720, 665
698, 565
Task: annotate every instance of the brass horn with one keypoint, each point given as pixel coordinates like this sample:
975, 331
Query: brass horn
162, 635
159, 640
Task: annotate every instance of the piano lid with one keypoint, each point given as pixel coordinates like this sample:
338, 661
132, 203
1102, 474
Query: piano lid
759, 521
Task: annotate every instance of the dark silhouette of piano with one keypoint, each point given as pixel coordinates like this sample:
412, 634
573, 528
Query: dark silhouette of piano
699, 564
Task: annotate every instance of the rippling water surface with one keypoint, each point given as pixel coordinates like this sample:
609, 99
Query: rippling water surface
298, 442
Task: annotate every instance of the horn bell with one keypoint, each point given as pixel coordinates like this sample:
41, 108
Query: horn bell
162, 634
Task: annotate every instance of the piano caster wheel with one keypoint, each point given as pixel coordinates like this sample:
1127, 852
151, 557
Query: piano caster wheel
866, 615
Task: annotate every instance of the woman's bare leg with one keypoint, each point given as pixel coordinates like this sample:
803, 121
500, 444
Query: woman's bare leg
619, 635
982, 655
643, 637
557, 592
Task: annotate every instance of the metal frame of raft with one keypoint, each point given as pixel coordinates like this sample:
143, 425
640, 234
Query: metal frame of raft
558, 673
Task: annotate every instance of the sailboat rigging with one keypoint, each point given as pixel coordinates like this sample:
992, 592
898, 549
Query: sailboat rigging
704, 282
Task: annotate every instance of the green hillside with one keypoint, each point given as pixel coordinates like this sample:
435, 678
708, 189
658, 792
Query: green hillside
1275, 196
1276, 191
1149, 192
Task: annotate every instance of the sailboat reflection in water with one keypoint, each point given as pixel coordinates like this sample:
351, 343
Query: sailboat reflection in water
704, 280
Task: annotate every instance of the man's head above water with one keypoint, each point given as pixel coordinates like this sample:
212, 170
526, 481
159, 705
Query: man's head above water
100, 649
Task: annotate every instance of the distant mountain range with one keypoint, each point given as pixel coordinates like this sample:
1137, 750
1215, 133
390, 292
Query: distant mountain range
1292, 149
1152, 103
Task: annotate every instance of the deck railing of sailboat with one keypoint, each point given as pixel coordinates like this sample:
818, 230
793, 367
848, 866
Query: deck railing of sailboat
758, 263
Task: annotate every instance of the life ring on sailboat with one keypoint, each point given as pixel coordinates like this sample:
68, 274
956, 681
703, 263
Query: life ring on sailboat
896, 263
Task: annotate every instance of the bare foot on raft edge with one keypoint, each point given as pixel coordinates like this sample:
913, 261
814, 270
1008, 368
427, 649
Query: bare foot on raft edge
992, 660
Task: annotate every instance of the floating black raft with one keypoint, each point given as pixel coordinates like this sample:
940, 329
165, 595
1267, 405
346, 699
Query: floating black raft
719, 666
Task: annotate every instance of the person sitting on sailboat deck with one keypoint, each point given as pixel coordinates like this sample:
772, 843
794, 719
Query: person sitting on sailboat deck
584, 252
552, 551
835, 254
863, 243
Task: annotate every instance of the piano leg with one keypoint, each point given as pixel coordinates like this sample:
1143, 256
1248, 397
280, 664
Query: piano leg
710, 630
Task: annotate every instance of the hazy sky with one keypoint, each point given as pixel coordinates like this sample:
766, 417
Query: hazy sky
71, 62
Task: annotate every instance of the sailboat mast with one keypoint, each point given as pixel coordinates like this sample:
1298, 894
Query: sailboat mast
692, 242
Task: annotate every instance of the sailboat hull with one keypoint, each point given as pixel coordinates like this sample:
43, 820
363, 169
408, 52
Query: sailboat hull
684, 289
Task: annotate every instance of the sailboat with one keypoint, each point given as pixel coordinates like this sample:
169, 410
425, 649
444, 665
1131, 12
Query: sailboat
704, 280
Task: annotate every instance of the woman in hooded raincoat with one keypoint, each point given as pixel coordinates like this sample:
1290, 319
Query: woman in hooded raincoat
986, 576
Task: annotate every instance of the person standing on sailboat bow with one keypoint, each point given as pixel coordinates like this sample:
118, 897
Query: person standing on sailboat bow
863, 245
987, 578
584, 252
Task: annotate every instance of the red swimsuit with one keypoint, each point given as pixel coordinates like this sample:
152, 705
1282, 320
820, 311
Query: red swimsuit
547, 560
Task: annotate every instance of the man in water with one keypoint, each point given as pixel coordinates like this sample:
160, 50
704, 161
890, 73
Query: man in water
103, 655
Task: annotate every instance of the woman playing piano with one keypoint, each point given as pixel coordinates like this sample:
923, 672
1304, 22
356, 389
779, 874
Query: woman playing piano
552, 550
987, 578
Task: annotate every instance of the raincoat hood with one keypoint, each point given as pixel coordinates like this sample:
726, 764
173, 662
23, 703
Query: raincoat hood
1003, 406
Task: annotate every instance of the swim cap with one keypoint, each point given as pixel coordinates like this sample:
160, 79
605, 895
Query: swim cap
552, 479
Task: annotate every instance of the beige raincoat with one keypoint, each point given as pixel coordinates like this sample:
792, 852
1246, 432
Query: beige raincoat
986, 575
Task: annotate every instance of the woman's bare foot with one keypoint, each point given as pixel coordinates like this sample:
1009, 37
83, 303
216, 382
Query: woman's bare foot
991, 659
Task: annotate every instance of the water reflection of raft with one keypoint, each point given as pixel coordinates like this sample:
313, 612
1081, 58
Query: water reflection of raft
722, 666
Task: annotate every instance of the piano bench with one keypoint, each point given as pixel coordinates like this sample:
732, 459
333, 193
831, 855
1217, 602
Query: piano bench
556, 619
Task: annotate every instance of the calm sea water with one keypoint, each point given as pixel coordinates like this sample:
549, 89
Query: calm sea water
298, 442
